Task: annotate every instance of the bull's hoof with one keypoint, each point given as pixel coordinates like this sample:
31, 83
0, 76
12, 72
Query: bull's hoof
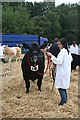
27, 91
39, 89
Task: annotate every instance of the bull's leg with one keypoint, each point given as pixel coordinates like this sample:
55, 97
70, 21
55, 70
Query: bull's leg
27, 82
16, 59
10, 63
39, 83
53, 74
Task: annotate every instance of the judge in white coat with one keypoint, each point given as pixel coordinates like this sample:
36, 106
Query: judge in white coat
74, 53
63, 69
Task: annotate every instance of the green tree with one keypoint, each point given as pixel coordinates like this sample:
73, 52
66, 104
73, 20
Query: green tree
42, 18
15, 21
55, 28
72, 25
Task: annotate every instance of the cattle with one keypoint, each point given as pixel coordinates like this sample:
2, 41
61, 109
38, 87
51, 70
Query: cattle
33, 64
11, 52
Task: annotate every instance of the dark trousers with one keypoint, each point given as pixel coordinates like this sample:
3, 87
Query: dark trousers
79, 60
74, 63
63, 95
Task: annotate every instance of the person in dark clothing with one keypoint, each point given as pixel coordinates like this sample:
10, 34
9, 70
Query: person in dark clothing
54, 50
74, 53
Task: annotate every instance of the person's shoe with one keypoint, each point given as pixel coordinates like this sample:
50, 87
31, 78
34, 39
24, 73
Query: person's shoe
61, 103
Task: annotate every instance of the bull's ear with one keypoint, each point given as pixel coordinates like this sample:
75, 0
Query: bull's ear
43, 46
25, 46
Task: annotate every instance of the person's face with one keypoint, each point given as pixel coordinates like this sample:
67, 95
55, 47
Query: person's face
60, 45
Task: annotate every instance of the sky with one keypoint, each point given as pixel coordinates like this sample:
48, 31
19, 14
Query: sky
57, 2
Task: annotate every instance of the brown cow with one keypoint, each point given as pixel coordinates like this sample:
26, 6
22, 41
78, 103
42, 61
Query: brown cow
11, 52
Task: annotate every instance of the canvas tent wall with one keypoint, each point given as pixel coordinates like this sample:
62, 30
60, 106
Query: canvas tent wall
14, 39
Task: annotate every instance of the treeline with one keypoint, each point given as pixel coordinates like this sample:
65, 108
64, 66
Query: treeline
42, 18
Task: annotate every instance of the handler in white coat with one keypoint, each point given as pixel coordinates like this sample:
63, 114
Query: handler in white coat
63, 70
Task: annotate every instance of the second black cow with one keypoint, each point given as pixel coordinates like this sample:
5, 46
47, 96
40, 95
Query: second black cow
33, 65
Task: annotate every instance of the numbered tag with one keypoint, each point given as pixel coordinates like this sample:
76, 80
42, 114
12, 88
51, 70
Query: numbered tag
34, 68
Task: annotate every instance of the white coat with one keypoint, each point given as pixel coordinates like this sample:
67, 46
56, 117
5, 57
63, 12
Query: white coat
63, 69
74, 50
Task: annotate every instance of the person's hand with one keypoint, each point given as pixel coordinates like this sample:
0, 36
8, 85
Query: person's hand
49, 54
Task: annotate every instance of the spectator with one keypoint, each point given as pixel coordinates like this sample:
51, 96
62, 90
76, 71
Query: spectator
54, 49
74, 53
79, 55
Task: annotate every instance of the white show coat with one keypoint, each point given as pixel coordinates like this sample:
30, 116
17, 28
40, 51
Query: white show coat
63, 69
74, 50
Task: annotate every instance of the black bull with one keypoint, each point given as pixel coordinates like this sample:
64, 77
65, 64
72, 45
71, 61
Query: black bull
33, 65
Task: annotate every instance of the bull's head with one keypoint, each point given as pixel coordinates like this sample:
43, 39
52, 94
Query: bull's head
34, 52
